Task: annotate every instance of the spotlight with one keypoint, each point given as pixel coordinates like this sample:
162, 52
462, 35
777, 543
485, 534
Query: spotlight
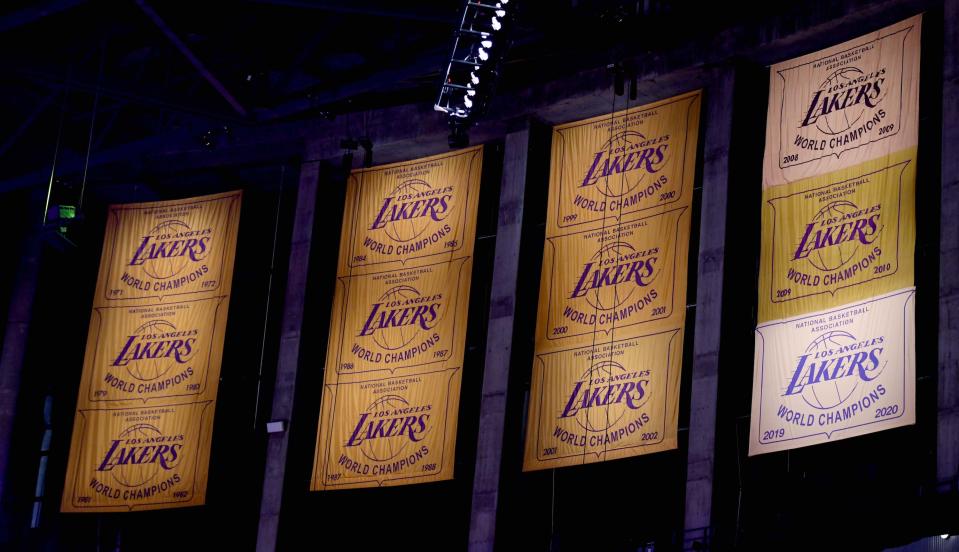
473, 65
208, 139
944, 536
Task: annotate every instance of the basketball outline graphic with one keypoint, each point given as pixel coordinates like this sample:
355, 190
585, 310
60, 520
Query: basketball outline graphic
155, 367
599, 420
168, 267
821, 395
837, 122
407, 230
622, 180
599, 298
394, 338
384, 449
135, 475
825, 259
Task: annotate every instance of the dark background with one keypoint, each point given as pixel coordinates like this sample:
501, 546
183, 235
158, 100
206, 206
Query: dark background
161, 131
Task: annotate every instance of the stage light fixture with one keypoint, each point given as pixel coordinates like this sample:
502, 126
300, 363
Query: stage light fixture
478, 49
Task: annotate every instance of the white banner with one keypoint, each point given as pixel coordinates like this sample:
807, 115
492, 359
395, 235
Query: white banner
835, 373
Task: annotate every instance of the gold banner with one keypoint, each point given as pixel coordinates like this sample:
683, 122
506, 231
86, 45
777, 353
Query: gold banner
617, 399
639, 160
141, 438
379, 336
133, 367
389, 431
612, 304
411, 213
395, 352
838, 238
615, 278
835, 343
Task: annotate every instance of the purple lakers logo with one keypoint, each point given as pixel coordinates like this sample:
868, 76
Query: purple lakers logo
843, 100
414, 218
831, 368
141, 453
843, 112
614, 273
607, 403
157, 357
409, 210
154, 348
623, 163
604, 394
169, 248
388, 426
399, 315
836, 232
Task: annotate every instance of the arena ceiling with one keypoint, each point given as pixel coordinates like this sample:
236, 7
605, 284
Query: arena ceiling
164, 72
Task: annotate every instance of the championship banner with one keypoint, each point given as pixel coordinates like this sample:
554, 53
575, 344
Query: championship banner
616, 400
397, 430
838, 238
843, 106
616, 278
639, 160
391, 339
142, 433
835, 344
834, 374
612, 305
395, 352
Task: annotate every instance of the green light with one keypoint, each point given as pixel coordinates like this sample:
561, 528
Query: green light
66, 212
